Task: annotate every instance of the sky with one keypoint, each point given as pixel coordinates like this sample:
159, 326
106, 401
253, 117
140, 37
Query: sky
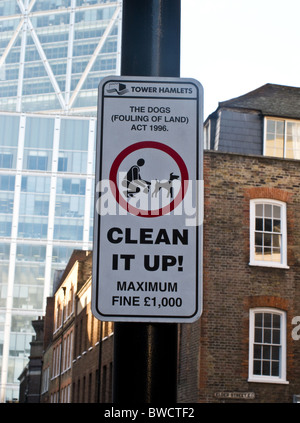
235, 46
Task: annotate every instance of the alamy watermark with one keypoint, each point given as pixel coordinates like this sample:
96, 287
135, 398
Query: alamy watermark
152, 199
296, 329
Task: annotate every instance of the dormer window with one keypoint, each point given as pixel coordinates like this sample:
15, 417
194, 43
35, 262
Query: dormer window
282, 138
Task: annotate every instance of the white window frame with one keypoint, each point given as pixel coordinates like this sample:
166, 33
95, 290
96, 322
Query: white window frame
285, 122
283, 218
281, 379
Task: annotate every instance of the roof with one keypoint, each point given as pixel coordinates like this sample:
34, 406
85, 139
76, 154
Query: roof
270, 100
77, 255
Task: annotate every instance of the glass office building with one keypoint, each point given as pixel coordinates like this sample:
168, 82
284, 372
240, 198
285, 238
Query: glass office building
53, 54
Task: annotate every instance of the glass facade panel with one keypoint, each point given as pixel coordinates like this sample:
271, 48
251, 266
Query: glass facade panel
71, 186
86, 98
30, 274
5, 225
9, 133
39, 184
8, 142
61, 254
21, 323
3, 283
68, 229
39, 133
7, 182
6, 202
4, 251
37, 159
44, 47
28, 297
71, 206
2, 319
27, 252
34, 204
74, 133
9, 7
38, 144
43, 65
74, 162
50, 4
2, 322
19, 348
33, 227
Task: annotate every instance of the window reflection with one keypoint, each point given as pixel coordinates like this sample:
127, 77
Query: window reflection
5, 225
7, 182
9, 130
6, 202
282, 139
32, 227
268, 232
31, 274
293, 140
72, 206
67, 229
74, 132
267, 344
27, 252
6, 160
71, 186
39, 184
275, 138
28, 297
19, 344
74, 162
39, 133
4, 251
37, 160
34, 204
69, 209
3, 283
38, 143
21, 323
61, 254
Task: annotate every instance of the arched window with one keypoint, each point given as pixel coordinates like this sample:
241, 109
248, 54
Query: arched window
268, 238
267, 345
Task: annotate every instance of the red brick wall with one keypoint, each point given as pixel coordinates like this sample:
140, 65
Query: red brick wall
216, 347
88, 386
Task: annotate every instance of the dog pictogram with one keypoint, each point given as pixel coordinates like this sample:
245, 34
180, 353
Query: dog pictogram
136, 184
166, 184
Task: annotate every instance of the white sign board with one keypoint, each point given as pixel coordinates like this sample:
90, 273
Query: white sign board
147, 253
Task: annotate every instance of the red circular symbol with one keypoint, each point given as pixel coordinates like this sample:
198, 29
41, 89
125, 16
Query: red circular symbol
148, 213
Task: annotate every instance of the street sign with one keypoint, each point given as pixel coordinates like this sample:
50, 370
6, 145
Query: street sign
147, 254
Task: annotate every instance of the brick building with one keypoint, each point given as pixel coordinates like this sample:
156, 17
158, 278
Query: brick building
58, 355
245, 347
47, 351
76, 344
93, 349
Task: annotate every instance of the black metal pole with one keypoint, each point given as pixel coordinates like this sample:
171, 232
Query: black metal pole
145, 363
145, 355
151, 38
